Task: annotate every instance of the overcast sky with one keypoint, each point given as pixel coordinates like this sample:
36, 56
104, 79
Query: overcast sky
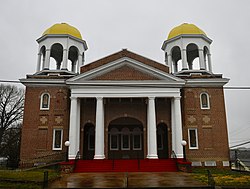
140, 26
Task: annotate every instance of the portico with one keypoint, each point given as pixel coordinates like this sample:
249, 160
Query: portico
102, 93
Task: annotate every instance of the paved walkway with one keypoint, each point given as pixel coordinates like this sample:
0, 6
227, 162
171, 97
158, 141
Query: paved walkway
126, 180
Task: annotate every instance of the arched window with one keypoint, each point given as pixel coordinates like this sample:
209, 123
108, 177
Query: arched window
137, 139
193, 57
114, 145
45, 101
125, 139
204, 100
176, 58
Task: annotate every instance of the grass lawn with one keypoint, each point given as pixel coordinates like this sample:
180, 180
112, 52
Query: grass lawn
25, 179
223, 177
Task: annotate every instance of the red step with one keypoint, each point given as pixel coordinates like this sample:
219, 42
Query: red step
132, 165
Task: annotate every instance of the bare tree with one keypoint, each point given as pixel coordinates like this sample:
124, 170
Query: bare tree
11, 115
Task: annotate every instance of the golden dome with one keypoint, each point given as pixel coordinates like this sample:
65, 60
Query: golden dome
185, 29
63, 28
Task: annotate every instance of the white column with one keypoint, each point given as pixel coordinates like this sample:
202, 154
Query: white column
173, 128
65, 59
99, 130
170, 63
80, 63
151, 125
74, 127
38, 67
201, 58
177, 128
74, 66
209, 62
47, 59
184, 59
175, 67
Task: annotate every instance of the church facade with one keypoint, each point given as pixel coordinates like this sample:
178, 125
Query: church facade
125, 106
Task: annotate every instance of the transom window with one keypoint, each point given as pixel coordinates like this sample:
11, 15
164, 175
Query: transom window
204, 100
45, 101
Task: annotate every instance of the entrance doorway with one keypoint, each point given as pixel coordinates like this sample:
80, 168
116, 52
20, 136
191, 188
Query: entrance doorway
162, 141
89, 141
125, 139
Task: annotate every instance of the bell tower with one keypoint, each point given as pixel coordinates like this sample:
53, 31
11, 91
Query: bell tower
65, 45
187, 54
187, 50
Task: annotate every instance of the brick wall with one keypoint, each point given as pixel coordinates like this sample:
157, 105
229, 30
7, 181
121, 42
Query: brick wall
38, 125
210, 123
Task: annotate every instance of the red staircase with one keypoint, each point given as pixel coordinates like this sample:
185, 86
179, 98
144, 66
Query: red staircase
132, 165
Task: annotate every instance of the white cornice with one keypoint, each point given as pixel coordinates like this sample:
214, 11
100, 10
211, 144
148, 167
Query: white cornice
36, 82
208, 82
123, 92
48, 36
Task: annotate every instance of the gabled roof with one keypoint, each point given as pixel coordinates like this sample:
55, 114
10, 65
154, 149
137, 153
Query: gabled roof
121, 54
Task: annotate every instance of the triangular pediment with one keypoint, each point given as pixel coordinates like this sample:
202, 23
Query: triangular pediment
125, 70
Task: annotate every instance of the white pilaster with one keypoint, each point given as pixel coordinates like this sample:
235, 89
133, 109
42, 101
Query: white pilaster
74, 127
151, 125
202, 61
47, 59
99, 130
65, 59
38, 67
184, 59
177, 128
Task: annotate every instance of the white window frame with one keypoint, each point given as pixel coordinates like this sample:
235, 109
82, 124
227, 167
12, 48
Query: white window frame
134, 148
196, 137
208, 101
41, 102
53, 144
117, 141
127, 134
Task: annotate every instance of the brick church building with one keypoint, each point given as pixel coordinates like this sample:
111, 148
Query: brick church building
124, 106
